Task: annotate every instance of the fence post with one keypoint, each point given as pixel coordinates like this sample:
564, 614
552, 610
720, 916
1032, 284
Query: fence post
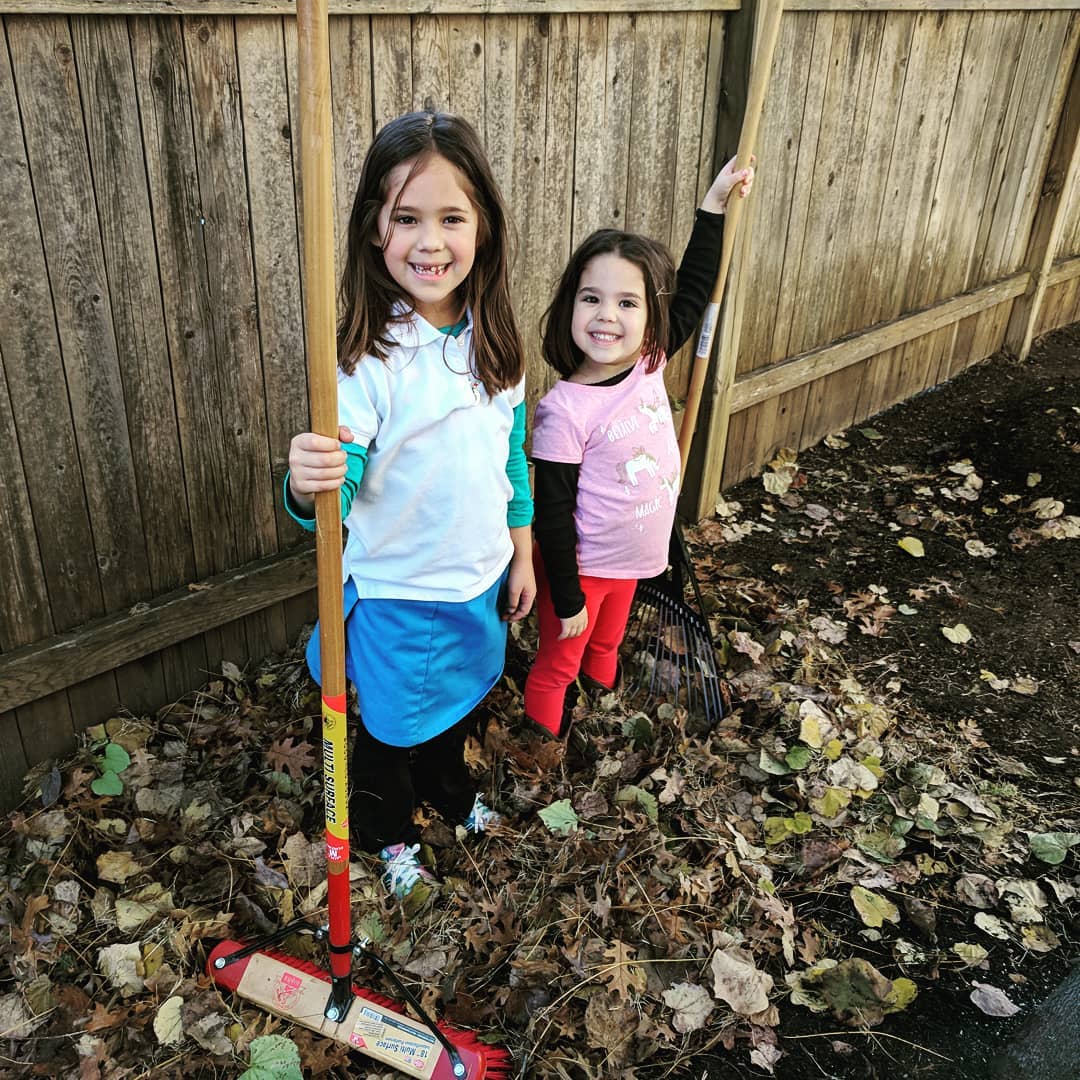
707, 456
1061, 175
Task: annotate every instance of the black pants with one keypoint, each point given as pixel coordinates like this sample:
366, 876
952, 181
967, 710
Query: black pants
386, 783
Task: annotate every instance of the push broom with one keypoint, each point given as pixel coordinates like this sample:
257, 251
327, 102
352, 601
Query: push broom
671, 639
328, 1001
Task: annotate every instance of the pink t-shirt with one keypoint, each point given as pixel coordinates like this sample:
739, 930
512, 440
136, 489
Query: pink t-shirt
623, 438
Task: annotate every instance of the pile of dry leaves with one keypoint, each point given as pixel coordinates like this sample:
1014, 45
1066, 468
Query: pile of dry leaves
656, 891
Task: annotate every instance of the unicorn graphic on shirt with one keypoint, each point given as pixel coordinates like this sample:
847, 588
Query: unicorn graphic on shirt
670, 484
627, 472
654, 411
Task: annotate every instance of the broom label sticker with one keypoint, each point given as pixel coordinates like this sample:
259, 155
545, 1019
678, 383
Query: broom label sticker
394, 1040
334, 748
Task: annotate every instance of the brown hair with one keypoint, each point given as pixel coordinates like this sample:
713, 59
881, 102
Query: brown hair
368, 292
657, 268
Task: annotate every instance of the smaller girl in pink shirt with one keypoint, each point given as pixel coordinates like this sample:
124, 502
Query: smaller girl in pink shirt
604, 446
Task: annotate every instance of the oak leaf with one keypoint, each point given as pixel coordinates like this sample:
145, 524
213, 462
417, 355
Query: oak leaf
622, 975
286, 756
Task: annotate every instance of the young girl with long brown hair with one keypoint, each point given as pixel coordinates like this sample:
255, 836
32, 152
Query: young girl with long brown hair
433, 476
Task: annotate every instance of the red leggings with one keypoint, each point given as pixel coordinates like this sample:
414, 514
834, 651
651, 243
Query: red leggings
594, 653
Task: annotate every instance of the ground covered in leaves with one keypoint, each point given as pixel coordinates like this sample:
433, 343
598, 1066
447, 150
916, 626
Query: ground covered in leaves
869, 868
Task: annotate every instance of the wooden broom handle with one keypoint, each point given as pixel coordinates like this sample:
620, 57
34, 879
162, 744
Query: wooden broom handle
315, 168
760, 68
316, 159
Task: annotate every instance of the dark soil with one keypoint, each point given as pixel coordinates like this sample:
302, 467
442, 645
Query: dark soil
831, 540
1010, 421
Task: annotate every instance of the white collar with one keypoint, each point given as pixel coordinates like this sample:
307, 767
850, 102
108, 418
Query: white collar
413, 330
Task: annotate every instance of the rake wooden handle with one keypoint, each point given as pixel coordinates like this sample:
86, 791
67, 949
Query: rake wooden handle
761, 66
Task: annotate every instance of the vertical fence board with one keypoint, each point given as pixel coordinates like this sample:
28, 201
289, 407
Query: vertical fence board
825, 250
1061, 306
56, 573
803, 241
1056, 59
237, 436
883, 188
1070, 236
654, 133
929, 90
165, 116
603, 124
775, 190
267, 113
13, 762
831, 401
430, 63
350, 73
1048, 222
558, 151
391, 67
501, 101
466, 70
806, 118
276, 257
913, 365
526, 193
1031, 85
694, 153
26, 601
973, 133
466, 59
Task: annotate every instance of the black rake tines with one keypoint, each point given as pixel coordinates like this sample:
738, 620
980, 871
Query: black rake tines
671, 649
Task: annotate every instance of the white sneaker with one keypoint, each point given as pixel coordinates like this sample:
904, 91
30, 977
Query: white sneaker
481, 817
403, 869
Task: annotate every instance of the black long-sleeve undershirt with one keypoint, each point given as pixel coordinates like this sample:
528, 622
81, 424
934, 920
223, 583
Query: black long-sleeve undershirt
556, 482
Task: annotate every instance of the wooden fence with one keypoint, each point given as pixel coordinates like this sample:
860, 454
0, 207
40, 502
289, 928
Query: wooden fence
915, 210
905, 156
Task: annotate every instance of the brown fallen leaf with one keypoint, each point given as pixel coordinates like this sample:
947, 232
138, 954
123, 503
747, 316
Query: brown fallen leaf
288, 756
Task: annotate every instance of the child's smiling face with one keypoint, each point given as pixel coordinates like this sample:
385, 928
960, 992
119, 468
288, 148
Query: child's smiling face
427, 232
609, 318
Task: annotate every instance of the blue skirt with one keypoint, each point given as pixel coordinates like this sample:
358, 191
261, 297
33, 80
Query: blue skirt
419, 666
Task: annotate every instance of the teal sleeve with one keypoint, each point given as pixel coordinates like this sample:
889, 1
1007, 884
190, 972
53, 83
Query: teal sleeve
520, 508
356, 462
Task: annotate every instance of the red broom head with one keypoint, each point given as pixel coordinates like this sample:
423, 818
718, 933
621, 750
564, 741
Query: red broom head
483, 1062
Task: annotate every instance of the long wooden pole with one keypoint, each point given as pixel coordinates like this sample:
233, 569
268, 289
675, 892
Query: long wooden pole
315, 166
764, 46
